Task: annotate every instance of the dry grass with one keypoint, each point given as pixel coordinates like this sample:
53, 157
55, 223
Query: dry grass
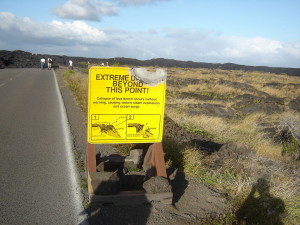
245, 129
256, 79
77, 81
217, 89
282, 186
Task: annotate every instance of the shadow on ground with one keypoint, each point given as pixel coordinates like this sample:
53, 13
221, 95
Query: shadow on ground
260, 207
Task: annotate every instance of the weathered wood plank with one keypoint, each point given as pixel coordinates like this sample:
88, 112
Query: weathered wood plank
131, 198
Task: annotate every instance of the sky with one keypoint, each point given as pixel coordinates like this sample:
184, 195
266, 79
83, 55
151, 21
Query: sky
247, 32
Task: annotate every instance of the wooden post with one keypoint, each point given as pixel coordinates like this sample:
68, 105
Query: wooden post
91, 158
154, 158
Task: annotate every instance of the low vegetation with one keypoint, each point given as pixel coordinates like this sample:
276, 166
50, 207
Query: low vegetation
255, 117
78, 83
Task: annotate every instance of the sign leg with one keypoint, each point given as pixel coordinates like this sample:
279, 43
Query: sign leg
154, 160
91, 158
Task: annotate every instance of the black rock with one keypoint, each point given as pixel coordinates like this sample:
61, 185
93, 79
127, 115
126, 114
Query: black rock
295, 104
157, 185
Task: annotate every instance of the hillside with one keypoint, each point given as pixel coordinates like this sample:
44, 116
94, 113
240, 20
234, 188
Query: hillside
21, 59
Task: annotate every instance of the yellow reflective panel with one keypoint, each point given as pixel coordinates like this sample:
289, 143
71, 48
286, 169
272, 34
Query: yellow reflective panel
123, 108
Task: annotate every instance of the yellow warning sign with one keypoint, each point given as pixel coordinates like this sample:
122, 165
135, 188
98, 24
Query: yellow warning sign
125, 105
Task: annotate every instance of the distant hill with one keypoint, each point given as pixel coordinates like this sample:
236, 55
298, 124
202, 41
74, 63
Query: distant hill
21, 59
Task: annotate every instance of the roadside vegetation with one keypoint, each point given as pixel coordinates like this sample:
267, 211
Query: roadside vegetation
77, 81
253, 117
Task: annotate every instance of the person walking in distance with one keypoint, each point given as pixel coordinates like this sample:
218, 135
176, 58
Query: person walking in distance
70, 64
49, 63
42, 63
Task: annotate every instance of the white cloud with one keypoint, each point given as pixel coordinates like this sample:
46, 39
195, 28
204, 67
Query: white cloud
262, 51
20, 32
80, 39
85, 10
138, 2
205, 46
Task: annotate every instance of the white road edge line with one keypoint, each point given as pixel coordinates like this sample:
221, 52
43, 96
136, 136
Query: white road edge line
82, 215
2, 84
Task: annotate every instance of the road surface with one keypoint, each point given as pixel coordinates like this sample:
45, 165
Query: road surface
38, 181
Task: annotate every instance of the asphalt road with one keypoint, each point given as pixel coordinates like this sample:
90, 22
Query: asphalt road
38, 178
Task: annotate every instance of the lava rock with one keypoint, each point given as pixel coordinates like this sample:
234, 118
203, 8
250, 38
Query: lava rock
157, 185
135, 159
295, 104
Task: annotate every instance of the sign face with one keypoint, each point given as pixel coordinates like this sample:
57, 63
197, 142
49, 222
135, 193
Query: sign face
123, 108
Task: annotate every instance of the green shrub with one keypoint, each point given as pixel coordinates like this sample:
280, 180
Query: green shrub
291, 146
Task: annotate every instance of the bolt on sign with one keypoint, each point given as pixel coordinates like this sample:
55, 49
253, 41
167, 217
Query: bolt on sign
125, 105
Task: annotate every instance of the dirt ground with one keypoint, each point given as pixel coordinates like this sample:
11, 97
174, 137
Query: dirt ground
191, 203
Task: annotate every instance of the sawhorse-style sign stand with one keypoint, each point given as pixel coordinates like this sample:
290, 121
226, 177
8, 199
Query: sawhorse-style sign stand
153, 160
126, 105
